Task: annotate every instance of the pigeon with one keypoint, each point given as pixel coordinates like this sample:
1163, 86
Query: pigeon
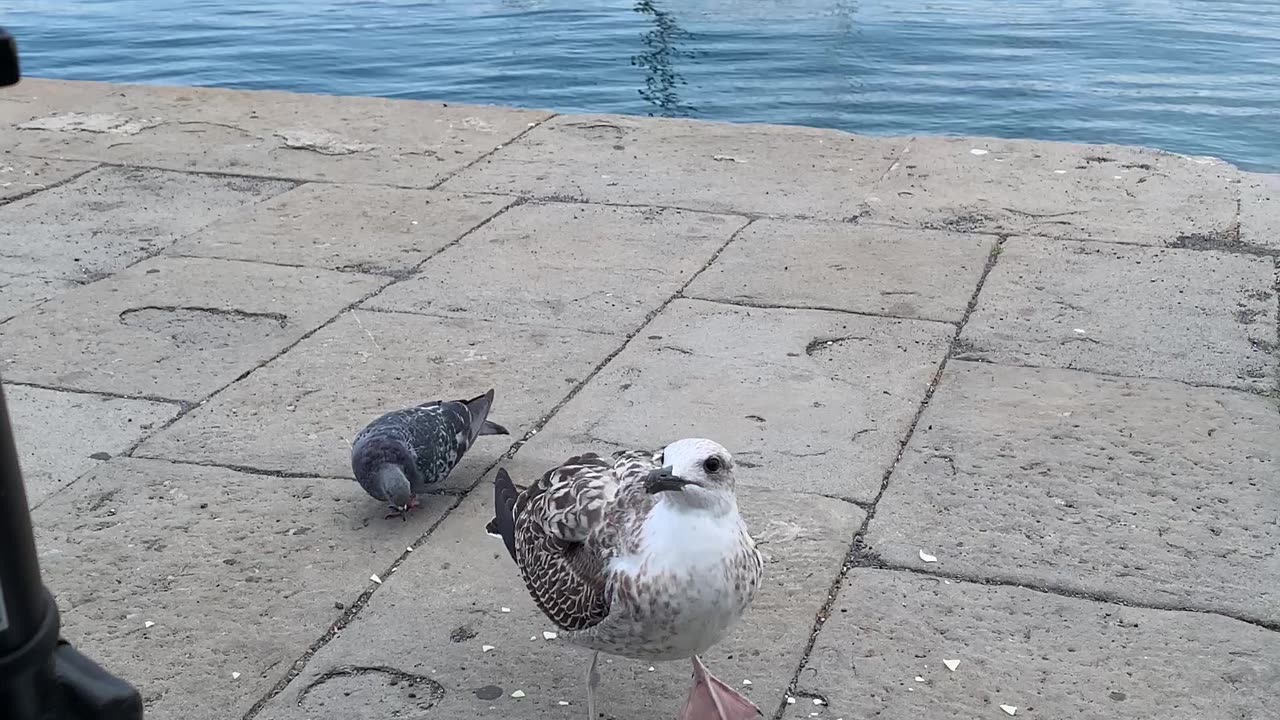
642, 555
396, 456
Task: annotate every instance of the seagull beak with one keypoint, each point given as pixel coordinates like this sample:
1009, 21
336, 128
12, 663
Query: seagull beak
662, 480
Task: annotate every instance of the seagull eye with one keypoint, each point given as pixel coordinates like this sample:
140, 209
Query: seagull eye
711, 465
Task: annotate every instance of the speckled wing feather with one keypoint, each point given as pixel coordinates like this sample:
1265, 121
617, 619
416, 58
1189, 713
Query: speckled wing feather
563, 529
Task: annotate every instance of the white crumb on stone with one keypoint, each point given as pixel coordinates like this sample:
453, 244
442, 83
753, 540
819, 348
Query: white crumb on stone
927, 557
375, 578
486, 648
1011, 709
518, 694
951, 664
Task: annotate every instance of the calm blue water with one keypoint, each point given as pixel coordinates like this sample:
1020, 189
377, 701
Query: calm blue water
1192, 77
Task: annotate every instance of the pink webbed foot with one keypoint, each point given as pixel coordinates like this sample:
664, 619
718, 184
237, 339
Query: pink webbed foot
404, 514
710, 699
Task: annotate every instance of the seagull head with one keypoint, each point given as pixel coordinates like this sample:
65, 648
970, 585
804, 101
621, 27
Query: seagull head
693, 468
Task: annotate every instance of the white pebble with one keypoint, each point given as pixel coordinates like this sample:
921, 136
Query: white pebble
919, 679
1061, 172
506, 609
927, 557
1009, 709
951, 664
486, 648
746, 682
148, 624
548, 635
375, 578
563, 702
818, 701
235, 675
791, 701
518, 694
978, 151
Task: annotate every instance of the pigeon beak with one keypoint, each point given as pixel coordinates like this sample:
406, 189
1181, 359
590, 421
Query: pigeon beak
662, 480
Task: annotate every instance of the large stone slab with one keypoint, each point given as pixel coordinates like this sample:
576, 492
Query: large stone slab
452, 593
276, 134
922, 274
1196, 316
589, 267
1260, 211
1149, 491
177, 328
60, 435
300, 412
882, 653
368, 228
202, 586
21, 176
710, 166
1085, 192
806, 400
113, 217
19, 293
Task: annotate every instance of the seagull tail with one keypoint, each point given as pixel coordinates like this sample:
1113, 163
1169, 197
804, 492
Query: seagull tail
503, 523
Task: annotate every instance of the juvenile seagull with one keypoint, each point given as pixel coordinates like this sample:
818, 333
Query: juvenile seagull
397, 455
642, 555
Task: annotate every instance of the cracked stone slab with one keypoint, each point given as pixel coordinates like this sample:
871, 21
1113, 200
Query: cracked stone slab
274, 134
177, 328
364, 228
589, 267
1260, 211
202, 586
113, 217
922, 274
300, 412
806, 400
1195, 316
19, 293
685, 163
882, 653
1084, 192
463, 578
61, 436
1149, 491
21, 176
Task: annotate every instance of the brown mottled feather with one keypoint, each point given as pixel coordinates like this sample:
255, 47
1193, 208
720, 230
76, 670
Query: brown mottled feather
564, 529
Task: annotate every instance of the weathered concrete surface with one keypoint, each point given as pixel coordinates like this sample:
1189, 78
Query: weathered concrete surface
172, 327
435, 615
276, 134
364, 228
113, 217
176, 576
19, 293
1086, 192
1148, 491
590, 267
299, 413
61, 435
1197, 316
806, 400
882, 270
20, 176
1260, 211
882, 654
764, 169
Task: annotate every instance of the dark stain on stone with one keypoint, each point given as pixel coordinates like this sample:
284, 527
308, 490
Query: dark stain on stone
1117, 695
100, 456
824, 343
489, 692
1097, 159
381, 684
462, 633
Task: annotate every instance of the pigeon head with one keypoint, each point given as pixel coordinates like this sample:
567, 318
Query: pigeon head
693, 470
395, 487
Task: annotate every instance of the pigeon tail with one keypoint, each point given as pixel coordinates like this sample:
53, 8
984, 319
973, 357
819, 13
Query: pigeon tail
503, 523
479, 407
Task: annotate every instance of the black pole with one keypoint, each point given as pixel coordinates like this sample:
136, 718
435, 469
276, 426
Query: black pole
42, 677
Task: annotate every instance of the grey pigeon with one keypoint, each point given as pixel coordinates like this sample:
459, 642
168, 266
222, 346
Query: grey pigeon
398, 455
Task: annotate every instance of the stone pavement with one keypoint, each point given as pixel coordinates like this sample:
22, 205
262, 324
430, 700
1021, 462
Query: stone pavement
1006, 412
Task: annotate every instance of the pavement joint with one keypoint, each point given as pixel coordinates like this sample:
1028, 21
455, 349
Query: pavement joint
35, 191
856, 540
531, 127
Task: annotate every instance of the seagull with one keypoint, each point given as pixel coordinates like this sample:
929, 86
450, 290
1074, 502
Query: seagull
642, 555
397, 455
